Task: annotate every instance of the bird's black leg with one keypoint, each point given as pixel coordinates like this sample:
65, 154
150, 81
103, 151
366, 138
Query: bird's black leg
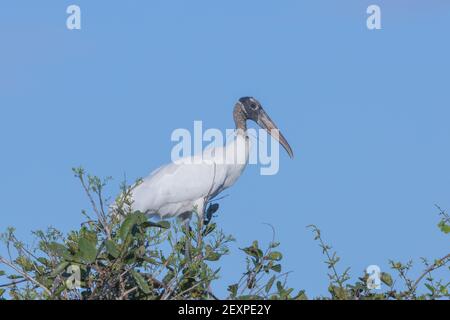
200, 234
201, 224
187, 245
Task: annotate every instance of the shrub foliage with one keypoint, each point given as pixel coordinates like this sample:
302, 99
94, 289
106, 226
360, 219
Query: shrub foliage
120, 254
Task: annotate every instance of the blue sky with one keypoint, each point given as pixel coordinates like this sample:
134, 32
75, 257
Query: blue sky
366, 112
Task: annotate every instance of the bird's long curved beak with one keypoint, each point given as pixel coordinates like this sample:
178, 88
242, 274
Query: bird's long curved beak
266, 123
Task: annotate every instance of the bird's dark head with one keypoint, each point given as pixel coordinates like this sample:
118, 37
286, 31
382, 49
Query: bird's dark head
248, 108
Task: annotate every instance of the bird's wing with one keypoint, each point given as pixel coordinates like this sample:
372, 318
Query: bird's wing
176, 183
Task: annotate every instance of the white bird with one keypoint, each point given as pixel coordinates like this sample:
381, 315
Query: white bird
183, 187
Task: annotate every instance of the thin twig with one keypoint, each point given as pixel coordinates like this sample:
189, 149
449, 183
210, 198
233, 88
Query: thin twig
101, 218
126, 293
441, 262
13, 283
25, 275
331, 260
193, 287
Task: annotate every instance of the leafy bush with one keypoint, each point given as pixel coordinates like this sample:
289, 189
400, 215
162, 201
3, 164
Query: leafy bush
120, 254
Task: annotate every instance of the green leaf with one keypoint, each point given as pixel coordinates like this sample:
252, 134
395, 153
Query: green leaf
338, 292
250, 297
430, 288
286, 293
253, 251
277, 256
111, 248
87, 249
168, 277
142, 284
274, 244
141, 217
210, 254
150, 260
60, 250
60, 289
59, 268
386, 278
160, 224
280, 287
88, 234
14, 277
270, 284
210, 228
44, 261
301, 295
444, 227
126, 226
2, 273
233, 289
2, 291
443, 290
276, 268
25, 263
164, 224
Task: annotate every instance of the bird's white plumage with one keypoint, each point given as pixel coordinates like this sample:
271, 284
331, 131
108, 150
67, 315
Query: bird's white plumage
184, 186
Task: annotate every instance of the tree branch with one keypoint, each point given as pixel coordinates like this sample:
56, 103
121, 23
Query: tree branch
25, 275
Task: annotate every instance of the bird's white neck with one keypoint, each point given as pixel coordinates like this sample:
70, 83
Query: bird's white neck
237, 151
241, 132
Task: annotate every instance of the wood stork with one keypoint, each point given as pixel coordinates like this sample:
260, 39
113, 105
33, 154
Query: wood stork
181, 188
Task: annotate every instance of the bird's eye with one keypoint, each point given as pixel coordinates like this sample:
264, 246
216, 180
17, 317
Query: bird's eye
254, 106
